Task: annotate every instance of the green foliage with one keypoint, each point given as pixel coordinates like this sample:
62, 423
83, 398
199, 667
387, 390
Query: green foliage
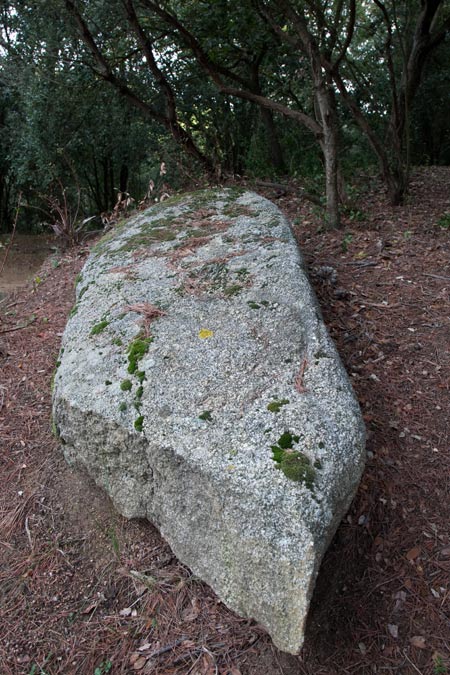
439, 667
206, 416
444, 222
346, 241
103, 668
62, 125
126, 385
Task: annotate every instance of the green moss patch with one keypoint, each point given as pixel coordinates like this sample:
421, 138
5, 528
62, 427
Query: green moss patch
276, 406
138, 423
293, 463
55, 429
136, 351
205, 416
236, 210
196, 233
73, 311
83, 290
296, 466
137, 398
99, 327
146, 238
149, 233
230, 291
100, 246
126, 385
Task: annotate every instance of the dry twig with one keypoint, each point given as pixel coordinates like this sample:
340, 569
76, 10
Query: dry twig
298, 381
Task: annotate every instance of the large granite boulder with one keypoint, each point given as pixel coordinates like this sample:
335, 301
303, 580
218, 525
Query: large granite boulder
198, 386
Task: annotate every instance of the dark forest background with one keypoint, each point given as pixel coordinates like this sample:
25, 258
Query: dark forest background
94, 96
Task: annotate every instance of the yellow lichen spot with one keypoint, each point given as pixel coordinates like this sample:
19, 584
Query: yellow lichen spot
205, 333
231, 467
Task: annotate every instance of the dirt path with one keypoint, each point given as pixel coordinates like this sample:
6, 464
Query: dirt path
26, 255
84, 591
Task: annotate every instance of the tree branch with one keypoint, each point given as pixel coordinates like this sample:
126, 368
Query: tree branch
215, 72
171, 121
349, 35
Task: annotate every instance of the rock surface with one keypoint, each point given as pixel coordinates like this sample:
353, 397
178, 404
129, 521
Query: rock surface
198, 386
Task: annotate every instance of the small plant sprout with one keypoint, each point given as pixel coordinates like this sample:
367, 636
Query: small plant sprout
439, 667
103, 668
444, 222
346, 240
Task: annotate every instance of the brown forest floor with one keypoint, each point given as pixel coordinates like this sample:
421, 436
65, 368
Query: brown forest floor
84, 591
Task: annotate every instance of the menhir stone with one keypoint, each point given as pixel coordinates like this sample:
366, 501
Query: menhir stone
199, 387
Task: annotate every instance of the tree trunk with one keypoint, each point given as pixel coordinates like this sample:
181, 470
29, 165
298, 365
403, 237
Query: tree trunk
96, 189
393, 151
275, 151
123, 179
104, 163
327, 115
112, 192
396, 184
329, 149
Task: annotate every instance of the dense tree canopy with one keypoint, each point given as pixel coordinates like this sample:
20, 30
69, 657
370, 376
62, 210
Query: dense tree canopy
95, 95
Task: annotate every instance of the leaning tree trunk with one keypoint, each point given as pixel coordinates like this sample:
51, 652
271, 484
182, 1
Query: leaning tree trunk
327, 115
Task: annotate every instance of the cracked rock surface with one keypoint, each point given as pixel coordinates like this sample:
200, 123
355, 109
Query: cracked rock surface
198, 386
